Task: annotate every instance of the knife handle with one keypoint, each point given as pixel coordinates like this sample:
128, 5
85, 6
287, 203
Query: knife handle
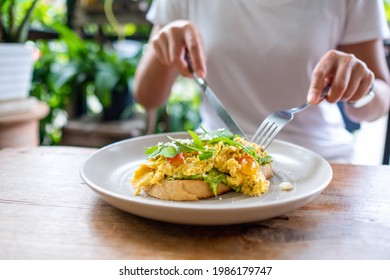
201, 82
188, 59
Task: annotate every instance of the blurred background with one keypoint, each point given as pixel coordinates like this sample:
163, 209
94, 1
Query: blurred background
78, 84
85, 55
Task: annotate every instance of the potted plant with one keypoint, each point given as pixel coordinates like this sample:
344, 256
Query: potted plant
16, 57
93, 69
113, 82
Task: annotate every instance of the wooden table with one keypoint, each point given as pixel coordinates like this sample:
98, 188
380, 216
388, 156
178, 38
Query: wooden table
47, 212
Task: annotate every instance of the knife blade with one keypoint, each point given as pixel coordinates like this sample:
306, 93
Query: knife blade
215, 102
218, 106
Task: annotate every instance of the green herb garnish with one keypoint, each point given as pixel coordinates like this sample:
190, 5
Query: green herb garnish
198, 144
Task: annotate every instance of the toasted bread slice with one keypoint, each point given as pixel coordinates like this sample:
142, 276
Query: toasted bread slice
184, 190
192, 190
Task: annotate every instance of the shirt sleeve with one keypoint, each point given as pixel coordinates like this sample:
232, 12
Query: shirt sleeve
162, 12
365, 21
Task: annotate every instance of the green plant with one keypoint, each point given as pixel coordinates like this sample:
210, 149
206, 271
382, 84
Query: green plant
113, 73
70, 72
43, 88
14, 20
92, 68
77, 67
62, 78
386, 4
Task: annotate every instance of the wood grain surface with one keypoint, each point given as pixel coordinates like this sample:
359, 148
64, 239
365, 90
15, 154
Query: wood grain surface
47, 212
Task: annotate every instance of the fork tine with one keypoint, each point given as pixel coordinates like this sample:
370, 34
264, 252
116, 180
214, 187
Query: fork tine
272, 125
271, 136
260, 131
265, 131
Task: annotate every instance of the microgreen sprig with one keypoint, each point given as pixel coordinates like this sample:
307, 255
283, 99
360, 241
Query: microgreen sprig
198, 144
177, 146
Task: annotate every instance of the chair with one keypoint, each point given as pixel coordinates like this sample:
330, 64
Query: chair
386, 152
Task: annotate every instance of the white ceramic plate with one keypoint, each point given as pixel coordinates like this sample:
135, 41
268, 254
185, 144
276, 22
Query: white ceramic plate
109, 170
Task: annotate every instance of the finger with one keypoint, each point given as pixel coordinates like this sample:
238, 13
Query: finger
363, 88
160, 46
184, 63
341, 78
319, 80
194, 46
353, 84
176, 53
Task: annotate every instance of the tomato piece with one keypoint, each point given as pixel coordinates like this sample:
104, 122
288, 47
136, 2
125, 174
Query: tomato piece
177, 159
248, 164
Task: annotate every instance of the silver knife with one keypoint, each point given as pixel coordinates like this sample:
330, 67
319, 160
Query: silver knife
215, 102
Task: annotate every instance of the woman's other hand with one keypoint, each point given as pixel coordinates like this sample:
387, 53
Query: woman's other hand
350, 78
352, 70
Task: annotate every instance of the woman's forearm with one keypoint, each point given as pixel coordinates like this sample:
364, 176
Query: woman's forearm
153, 81
377, 108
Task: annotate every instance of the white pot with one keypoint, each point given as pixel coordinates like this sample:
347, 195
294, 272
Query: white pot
16, 67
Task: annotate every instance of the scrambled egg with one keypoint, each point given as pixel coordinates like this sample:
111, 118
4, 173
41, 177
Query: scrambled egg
240, 170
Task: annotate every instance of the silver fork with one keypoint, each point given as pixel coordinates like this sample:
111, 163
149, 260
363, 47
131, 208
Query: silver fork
272, 125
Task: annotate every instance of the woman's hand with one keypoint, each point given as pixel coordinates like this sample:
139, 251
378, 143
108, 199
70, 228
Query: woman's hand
171, 42
350, 78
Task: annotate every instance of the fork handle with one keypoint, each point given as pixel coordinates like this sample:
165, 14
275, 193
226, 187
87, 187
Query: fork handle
325, 92
304, 106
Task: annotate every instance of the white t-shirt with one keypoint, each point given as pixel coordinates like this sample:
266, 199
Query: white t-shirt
260, 56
